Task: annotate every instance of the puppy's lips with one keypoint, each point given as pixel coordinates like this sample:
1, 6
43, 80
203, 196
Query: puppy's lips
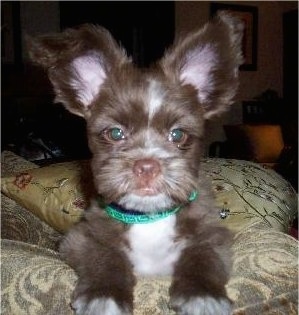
145, 191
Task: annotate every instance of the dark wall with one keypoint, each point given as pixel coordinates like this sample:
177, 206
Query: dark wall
29, 116
144, 28
290, 77
290, 62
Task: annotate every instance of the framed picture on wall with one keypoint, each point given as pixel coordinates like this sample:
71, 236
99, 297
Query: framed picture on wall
249, 16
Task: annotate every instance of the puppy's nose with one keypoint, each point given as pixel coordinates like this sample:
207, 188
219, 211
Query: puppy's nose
147, 168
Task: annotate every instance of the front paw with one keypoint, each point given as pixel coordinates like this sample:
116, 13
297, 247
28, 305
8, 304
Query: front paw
98, 306
207, 305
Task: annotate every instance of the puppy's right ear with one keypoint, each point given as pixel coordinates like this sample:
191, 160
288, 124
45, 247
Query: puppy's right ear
78, 62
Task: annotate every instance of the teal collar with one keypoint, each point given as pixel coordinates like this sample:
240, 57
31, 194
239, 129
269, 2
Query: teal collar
129, 216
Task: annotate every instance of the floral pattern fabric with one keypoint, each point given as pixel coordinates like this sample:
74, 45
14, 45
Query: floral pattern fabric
248, 193
264, 279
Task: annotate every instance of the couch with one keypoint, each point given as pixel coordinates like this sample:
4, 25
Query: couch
39, 204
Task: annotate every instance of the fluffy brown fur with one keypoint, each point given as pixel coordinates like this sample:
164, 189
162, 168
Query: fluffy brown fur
146, 129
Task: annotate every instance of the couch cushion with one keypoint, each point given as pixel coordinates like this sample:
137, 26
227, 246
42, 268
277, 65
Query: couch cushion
264, 279
250, 193
12, 163
19, 224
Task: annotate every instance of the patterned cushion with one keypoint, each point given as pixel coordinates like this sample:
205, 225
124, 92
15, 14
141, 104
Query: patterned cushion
249, 194
263, 281
56, 193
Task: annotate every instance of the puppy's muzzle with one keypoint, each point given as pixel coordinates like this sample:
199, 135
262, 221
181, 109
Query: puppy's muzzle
146, 171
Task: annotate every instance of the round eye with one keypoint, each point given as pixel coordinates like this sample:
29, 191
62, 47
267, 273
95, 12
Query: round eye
115, 134
177, 136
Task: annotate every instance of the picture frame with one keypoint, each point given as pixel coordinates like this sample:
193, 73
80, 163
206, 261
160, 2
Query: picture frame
249, 16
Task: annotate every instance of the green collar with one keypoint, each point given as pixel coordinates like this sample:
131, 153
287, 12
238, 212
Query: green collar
129, 216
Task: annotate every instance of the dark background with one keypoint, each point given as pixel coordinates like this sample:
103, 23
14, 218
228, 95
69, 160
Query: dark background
29, 117
38, 130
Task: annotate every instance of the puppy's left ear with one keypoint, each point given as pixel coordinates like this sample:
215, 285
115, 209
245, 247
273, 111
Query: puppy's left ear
209, 60
78, 62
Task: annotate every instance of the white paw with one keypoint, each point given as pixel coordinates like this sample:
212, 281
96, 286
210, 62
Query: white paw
202, 306
98, 306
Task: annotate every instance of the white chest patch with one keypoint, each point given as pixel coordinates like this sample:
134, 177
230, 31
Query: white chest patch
153, 248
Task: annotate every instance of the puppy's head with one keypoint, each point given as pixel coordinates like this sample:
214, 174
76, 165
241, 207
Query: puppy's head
145, 127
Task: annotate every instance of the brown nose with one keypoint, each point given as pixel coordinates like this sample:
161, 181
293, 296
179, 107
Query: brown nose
147, 168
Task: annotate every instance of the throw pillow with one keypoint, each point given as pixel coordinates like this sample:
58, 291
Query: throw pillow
57, 194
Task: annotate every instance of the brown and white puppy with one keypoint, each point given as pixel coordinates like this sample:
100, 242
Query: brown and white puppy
146, 129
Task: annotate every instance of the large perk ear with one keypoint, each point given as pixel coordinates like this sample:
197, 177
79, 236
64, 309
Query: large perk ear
78, 62
209, 60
